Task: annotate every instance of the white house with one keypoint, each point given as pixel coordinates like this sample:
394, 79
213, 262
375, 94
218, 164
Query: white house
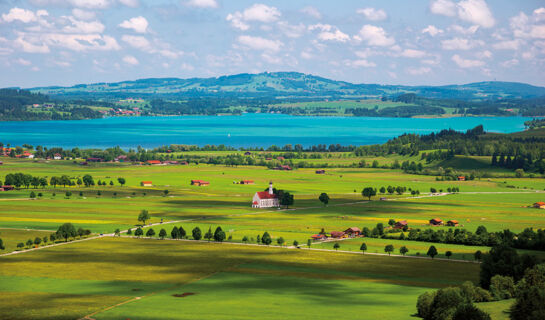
265, 199
57, 156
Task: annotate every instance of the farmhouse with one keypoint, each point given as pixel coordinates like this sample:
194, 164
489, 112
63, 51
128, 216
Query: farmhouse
436, 222
401, 224
352, 232
452, 223
461, 178
121, 158
94, 159
539, 205
154, 162
283, 167
318, 237
146, 184
7, 188
265, 199
199, 183
247, 182
57, 156
338, 234
320, 171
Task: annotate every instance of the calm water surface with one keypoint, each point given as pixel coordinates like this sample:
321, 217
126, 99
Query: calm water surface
249, 130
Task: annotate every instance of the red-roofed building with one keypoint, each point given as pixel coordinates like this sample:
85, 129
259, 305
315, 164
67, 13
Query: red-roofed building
539, 205
452, 223
338, 234
247, 182
265, 199
320, 171
146, 184
400, 224
353, 232
199, 183
436, 222
461, 178
318, 237
153, 162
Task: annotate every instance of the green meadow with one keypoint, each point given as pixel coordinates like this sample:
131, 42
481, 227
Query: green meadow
91, 276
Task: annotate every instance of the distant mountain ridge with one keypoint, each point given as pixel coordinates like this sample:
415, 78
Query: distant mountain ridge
289, 84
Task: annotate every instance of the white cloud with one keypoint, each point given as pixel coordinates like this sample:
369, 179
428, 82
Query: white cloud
258, 12
538, 32
466, 31
137, 42
443, 7
29, 47
418, 71
467, 63
138, 24
203, 3
18, 14
312, 11
528, 27
259, 43
460, 44
83, 14
477, 12
292, 31
130, 3
474, 11
432, 30
306, 55
84, 27
130, 60
40, 43
412, 53
539, 14
90, 4
373, 14
23, 62
375, 36
362, 63
507, 45
510, 63
329, 32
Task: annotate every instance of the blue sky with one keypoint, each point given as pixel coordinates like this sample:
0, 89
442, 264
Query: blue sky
416, 42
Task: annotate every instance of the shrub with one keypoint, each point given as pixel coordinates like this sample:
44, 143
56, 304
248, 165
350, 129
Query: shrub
502, 287
468, 311
423, 305
445, 302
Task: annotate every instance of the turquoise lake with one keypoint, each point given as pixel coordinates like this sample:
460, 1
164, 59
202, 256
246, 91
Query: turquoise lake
248, 130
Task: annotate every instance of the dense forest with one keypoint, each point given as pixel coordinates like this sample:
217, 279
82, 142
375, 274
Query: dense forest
14, 106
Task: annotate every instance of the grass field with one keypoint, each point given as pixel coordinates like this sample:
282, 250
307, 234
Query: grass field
89, 276
107, 271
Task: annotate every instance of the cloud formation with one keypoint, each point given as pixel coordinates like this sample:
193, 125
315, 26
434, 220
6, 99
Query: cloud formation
138, 24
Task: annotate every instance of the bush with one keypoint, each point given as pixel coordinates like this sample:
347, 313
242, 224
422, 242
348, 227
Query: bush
423, 305
502, 287
474, 293
468, 311
445, 303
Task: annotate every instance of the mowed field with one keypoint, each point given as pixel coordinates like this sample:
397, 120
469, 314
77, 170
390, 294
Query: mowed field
224, 281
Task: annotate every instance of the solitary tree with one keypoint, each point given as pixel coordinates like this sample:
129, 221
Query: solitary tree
2, 245
389, 249
432, 252
324, 198
369, 192
266, 238
138, 232
245, 239
174, 234
208, 235
66, 230
448, 254
280, 241
121, 181
309, 243
336, 246
129, 232
117, 232
162, 234
403, 250
295, 243
478, 255
144, 216
363, 248
197, 235
286, 199
150, 233
165, 192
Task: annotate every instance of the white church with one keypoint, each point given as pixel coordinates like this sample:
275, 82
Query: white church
265, 199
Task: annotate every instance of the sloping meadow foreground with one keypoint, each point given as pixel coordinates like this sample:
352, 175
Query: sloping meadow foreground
125, 278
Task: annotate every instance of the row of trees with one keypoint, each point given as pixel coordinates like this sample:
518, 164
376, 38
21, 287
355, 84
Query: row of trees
65, 231
26, 180
504, 275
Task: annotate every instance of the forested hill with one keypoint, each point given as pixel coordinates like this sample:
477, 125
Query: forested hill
282, 84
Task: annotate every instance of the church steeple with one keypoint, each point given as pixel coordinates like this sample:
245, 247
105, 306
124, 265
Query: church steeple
271, 188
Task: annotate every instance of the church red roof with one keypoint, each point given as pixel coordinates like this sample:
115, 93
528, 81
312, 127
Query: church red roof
266, 195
